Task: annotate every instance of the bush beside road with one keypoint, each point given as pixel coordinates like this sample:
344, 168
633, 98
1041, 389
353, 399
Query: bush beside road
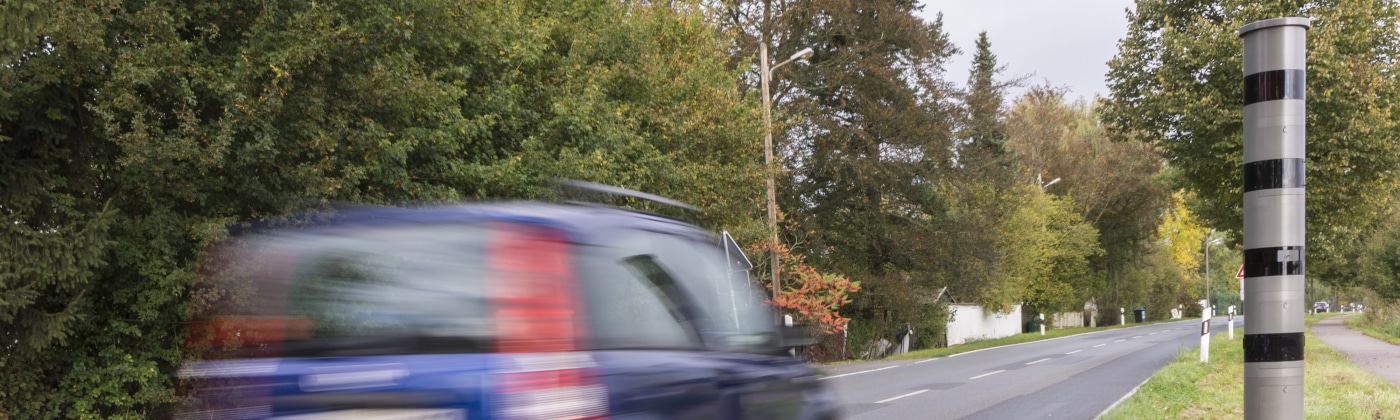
1381, 323
1186, 388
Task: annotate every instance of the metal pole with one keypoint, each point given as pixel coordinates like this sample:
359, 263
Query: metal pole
1275, 74
764, 75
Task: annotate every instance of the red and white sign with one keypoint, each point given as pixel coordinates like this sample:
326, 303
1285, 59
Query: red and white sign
1240, 275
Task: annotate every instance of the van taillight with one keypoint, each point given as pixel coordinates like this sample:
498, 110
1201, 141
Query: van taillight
539, 328
550, 386
533, 296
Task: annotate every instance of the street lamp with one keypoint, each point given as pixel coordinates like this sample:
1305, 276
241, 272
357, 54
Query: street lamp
1043, 230
1209, 241
766, 74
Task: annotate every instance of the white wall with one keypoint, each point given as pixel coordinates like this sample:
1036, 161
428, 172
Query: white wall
972, 322
1066, 320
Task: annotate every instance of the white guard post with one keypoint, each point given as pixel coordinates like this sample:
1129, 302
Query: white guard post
1232, 321
1205, 334
1042, 324
1122, 320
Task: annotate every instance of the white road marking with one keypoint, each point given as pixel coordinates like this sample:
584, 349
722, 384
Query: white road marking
1032, 342
1137, 336
1120, 340
927, 360
1153, 334
1038, 361
857, 373
1076, 351
1125, 396
986, 374
1101, 345
902, 396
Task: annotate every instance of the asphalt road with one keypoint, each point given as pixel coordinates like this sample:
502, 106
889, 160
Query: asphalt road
1075, 377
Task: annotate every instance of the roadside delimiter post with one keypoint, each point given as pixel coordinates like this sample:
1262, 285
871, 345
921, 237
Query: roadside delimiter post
1205, 334
1231, 321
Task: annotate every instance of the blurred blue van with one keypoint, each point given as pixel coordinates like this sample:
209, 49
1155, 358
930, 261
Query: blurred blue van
517, 310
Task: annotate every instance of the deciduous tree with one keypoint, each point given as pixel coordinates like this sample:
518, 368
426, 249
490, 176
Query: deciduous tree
1177, 83
132, 133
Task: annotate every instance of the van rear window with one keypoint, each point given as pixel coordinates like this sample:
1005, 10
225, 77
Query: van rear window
395, 290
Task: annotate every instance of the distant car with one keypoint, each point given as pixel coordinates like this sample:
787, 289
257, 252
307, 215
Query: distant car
522, 310
1321, 307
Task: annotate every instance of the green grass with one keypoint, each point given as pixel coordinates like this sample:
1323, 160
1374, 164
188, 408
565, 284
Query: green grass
1015, 339
1334, 388
1386, 331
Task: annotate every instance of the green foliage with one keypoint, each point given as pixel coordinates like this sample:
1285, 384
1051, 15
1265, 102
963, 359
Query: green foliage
1379, 259
1047, 246
1113, 186
132, 133
1378, 323
881, 127
874, 123
1176, 83
985, 131
1157, 284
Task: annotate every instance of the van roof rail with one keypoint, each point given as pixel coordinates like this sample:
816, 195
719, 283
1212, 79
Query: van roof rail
623, 192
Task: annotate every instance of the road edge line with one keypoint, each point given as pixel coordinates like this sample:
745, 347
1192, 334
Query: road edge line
1124, 398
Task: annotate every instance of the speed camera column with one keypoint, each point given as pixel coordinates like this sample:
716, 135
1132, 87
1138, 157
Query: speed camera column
1274, 229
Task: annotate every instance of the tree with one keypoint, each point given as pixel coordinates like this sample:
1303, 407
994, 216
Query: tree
814, 297
1379, 258
1176, 83
984, 131
850, 131
1114, 186
1183, 238
875, 122
133, 134
1047, 247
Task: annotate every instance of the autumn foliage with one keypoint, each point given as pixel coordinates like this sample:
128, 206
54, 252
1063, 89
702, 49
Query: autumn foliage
810, 296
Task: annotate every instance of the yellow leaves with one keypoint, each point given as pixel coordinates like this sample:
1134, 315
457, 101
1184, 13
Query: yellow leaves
1183, 235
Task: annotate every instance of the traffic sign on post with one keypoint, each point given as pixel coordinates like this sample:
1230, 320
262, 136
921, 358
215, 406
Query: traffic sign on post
1239, 275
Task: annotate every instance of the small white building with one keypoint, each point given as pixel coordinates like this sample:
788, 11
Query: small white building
971, 322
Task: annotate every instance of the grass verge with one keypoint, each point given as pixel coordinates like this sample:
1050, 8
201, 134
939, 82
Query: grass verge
1015, 339
1360, 323
1333, 387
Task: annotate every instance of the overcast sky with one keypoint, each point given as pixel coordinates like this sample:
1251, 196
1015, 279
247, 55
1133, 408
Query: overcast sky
1065, 42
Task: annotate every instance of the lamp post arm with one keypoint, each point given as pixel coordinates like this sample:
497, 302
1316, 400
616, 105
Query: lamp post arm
804, 53
775, 67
